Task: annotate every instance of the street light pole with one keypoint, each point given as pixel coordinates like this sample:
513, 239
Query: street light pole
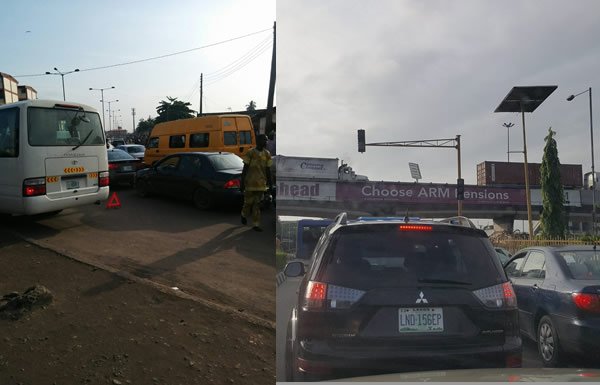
109, 114
102, 96
62, 75
508, 126
570, 98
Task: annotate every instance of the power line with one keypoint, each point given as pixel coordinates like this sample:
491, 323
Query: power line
157, 57
239, 66
256, 48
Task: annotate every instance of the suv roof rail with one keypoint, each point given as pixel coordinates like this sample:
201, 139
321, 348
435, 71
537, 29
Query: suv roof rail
341, 219
405, 219
460, 221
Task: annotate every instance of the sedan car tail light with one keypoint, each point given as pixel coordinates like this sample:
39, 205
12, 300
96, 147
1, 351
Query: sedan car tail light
500, 296
233, 183
113, 166
34, 187
586, 301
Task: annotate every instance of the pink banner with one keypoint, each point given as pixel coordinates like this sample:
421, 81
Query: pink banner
427, 193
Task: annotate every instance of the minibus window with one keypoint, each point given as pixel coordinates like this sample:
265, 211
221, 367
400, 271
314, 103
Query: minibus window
63, 127
229, 138
177, 141
245, 137
9, 133
199, 140
152, 143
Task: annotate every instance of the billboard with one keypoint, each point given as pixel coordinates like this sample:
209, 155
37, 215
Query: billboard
304, 167
306, 190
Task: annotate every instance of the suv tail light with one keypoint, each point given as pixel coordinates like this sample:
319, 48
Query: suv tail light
103, 179
233, 183
34, 187
500, 296
587, 302
320, 295
415, 228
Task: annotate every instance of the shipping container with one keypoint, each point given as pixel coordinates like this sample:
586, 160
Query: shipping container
491, 173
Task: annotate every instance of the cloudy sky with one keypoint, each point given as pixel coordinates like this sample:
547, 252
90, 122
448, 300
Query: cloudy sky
419, 70
39, 36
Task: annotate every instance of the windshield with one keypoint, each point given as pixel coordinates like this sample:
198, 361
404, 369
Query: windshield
582, 264
377, 256
64, 127
118, 155
226, 162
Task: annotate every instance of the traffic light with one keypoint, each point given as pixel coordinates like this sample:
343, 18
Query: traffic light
361, 141
460, 189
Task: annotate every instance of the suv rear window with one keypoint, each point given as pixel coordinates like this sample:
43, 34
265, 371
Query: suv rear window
379, 256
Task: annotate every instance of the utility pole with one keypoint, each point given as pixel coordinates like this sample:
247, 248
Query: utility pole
269, 117
133, 121
200, 109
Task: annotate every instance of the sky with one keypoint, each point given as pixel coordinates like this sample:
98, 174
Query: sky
421, 70
89, 34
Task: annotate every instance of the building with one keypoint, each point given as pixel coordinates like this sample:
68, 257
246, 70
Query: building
9, 92
27, 93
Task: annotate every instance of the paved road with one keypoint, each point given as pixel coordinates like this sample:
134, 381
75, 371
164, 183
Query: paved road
286, 295
207, 254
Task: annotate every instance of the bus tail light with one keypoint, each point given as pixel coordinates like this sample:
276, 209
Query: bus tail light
34, 187
103, 179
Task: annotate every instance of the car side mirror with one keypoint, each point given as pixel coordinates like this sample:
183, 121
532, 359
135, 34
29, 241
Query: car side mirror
294, 269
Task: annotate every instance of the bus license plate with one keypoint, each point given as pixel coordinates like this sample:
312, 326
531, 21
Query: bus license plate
421, 320
72, 184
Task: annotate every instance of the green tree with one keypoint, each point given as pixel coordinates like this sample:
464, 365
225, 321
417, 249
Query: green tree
553, 222
251, 106
145, 126
173, 109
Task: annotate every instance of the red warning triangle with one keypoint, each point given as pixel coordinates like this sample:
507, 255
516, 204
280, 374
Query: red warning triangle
113, 201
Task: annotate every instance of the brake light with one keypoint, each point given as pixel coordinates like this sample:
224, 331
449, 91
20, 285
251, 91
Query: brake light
34, 187
320, 295
588, 302
415, 228
316, 293
113, 166
103, 179
498, 296
234, 183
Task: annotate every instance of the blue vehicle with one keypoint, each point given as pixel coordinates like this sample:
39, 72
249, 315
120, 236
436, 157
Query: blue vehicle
558, 295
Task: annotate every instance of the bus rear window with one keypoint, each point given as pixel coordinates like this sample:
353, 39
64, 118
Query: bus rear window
63, 127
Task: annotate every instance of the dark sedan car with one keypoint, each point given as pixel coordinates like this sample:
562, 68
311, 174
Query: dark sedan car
206, 178
122, 167
388, 295
558, 297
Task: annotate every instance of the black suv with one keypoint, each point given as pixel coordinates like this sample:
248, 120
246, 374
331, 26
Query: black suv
391, 295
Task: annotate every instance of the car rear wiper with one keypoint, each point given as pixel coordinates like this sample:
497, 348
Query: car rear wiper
83, 141
446, 281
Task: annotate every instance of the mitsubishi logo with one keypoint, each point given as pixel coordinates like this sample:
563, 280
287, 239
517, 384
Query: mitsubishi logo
421, 298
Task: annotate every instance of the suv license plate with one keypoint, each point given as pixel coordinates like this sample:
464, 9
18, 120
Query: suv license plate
421, 320
72, 184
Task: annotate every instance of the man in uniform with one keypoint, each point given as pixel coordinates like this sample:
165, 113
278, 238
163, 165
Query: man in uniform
256, 180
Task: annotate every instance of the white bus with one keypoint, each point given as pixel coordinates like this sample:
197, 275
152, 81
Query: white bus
52, 157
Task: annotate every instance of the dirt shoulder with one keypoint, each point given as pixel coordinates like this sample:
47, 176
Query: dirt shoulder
125, 333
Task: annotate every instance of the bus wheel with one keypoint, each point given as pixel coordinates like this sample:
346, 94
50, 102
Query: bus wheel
202, 199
